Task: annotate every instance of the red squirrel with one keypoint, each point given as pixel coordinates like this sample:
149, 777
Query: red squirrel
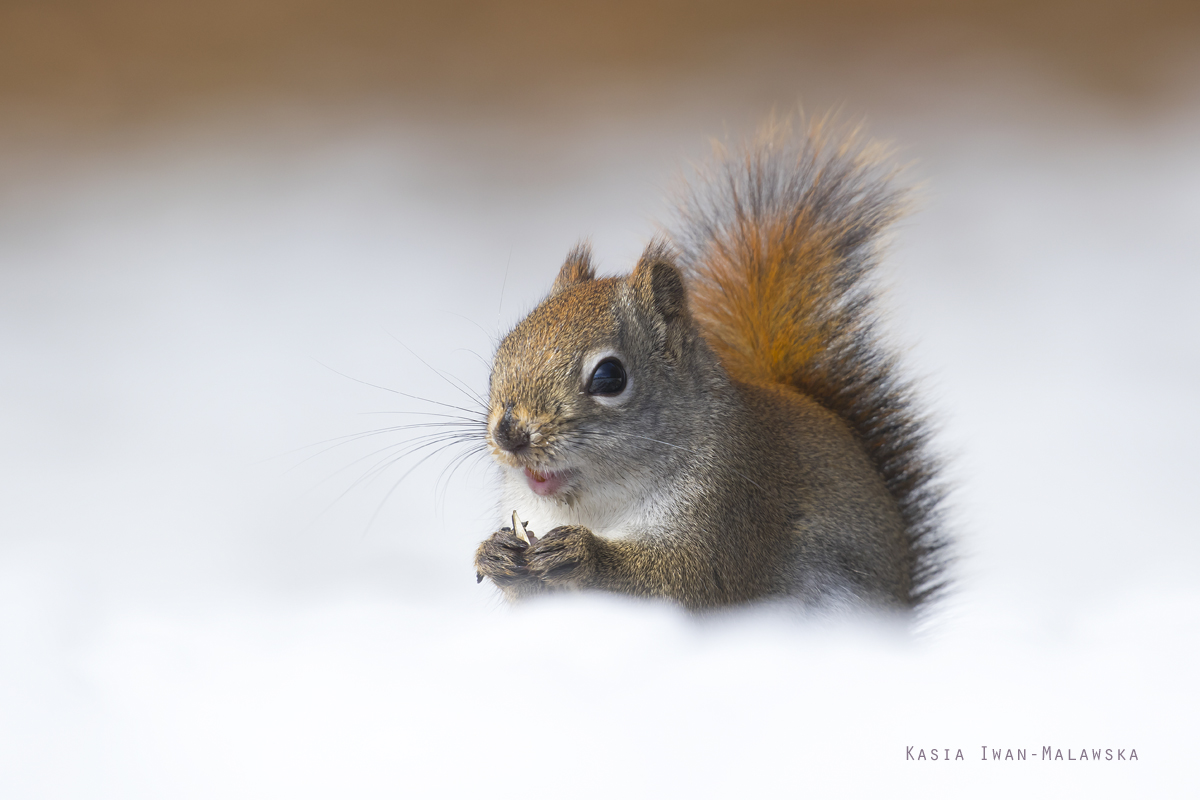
724, 424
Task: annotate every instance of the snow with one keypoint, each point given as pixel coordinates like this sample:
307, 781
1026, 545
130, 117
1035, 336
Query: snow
195, 601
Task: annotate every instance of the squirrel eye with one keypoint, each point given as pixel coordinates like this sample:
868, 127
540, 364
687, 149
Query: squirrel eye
608, 378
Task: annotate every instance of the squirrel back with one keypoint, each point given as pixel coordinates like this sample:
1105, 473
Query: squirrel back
778, 243
723, 424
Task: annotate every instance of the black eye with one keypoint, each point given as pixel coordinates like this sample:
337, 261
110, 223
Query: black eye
608, 378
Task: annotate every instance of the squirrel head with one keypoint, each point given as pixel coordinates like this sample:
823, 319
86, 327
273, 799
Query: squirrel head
582, 390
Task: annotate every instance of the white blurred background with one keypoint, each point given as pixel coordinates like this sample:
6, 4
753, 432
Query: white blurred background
222, 229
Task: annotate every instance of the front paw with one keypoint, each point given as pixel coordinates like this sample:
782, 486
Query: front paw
501, 557
565, 555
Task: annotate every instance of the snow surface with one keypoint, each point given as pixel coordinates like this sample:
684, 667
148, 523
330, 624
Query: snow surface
196, 601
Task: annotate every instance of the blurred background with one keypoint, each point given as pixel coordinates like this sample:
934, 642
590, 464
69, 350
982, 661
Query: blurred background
234, 235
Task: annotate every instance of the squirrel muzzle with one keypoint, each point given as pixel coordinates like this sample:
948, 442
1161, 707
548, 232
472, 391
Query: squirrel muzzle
510, 435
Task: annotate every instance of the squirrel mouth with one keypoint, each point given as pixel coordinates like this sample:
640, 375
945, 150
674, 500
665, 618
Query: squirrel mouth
546, 483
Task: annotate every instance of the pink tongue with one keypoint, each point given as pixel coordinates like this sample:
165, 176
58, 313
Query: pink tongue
543, 483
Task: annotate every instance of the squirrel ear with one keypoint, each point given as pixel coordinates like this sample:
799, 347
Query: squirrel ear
659, 291
575, 270
657, 284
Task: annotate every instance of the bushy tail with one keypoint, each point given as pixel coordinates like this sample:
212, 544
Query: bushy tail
778, 241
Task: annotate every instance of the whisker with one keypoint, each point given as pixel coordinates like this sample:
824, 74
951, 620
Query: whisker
381, 466
353, 437
478, 357
455, 463
412, 447
472, 460
398, 392
454, 427
481, 418
420, 441
395, 486
456, 383
482, 330
503, 284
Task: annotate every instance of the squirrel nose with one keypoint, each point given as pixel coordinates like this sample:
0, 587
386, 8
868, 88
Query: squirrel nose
509, 435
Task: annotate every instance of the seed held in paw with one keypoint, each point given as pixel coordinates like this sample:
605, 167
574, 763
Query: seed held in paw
523, 533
